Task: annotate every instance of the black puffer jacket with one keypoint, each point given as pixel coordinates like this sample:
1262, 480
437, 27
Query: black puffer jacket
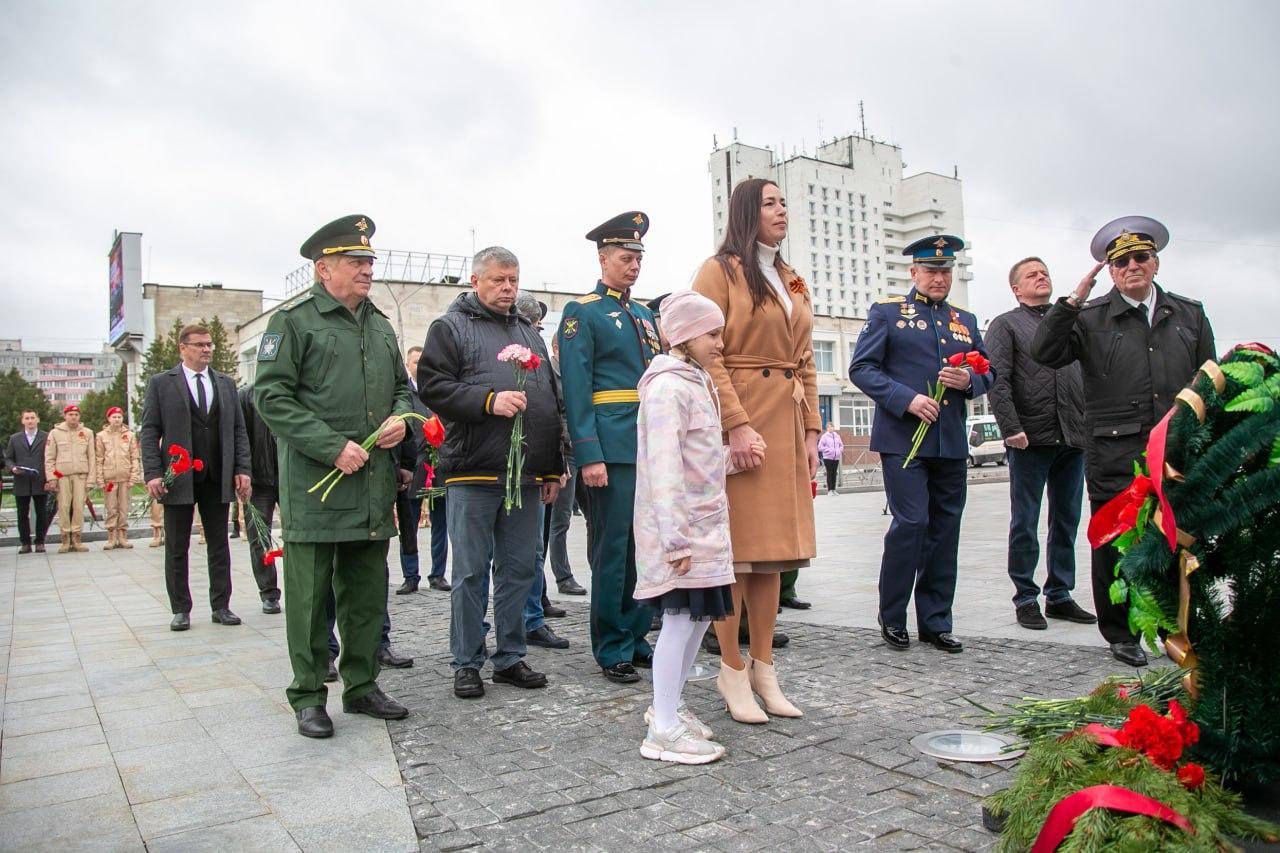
262, 443
458, 376
1045, 403
1132, 372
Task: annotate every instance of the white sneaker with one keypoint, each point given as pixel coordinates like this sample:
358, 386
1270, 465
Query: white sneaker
695, 726
830, 492
680, 746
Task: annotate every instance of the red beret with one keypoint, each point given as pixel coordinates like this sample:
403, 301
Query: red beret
70, 407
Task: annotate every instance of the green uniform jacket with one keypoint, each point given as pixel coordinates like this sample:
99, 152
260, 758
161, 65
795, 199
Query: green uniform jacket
606, 342
326, 377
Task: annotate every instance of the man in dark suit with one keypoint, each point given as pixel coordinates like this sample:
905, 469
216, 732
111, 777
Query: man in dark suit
195, 407
24, 456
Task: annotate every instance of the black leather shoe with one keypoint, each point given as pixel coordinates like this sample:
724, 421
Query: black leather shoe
571, 587
642, 660
25, 549
552, 611
225, 617
1029, 617
1130, 653
407, 587
546, 638
439, 583
181, 622
332, 674
467, 683
314, 722
944, 642
780, 640
390, 659
271, 606
1070, 611
621, 673
377, 704
895, 638
520, 674
39, 547
795, 604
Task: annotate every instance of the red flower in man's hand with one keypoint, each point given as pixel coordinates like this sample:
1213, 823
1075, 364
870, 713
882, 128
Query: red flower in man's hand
1191, 775
433, 431
197, 464
532, 363
57, 473
110, 488
180, 465
269, 558
956, 359
978, 362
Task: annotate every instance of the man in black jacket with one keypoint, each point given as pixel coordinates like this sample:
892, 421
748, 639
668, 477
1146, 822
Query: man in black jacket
24, 456
1137, 345
462, 381
1040, 412
262, 459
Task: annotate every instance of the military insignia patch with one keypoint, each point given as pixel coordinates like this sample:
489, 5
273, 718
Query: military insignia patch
269, 348
570, 328
362, 225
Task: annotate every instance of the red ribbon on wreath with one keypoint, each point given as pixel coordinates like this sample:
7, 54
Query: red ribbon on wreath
1062, 818
1120, 513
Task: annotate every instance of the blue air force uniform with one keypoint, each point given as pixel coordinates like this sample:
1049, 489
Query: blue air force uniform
905, 342
607, 339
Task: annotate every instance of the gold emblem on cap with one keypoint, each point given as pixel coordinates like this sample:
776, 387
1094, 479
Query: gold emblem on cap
364, 241
362, 225
637, 233
638, 219
940, 243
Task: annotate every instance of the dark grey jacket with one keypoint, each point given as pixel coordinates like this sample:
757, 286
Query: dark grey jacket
166, 420
1132, 372
19, 454
263, 452
1045, 403
458, 376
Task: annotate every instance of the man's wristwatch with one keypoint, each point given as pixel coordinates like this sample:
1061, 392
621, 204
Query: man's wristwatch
1073, 300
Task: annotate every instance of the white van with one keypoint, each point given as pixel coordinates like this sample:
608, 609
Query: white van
986, 444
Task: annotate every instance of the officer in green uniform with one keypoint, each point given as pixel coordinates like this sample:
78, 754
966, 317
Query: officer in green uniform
607, 339
329, 374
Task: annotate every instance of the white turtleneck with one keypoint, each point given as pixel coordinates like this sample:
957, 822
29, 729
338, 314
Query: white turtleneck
765, 256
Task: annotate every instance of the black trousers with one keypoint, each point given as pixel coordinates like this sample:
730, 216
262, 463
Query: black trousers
1113, 619
41, 502
832, 465
177, 543
264, 500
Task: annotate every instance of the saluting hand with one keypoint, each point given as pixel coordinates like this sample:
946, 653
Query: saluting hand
924, 408
351, 459
1086, 284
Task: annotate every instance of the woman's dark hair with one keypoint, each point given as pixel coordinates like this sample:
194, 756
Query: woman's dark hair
740, 237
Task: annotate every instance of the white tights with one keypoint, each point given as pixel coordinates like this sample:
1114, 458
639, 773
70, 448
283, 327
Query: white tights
677, 646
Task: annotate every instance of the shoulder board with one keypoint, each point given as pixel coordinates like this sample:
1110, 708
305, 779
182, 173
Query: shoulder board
588, 299
301, 299
889, 299
1097, 302
1186, 299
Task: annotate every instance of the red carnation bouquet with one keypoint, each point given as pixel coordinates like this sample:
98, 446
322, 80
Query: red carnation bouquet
971, 360
523, 361
180, 462
260, 531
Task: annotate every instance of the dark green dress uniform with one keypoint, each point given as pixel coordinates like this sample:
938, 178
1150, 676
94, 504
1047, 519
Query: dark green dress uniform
606, 341
327, 376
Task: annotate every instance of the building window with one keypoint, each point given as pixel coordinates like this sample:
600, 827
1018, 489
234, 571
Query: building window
813, 257
810, 189
824, 356
813, 206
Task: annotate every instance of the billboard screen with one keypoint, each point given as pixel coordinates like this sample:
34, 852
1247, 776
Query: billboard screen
124, 274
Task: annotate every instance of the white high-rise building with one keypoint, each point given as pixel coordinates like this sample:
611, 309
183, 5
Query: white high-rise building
851, 213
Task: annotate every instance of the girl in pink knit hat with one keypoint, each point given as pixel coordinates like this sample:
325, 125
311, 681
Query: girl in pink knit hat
684, 562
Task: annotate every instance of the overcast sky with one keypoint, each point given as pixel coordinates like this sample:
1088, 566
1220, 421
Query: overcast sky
226, 133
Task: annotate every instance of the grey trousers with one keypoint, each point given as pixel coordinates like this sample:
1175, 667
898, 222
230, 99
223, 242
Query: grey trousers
477, 522
558, 546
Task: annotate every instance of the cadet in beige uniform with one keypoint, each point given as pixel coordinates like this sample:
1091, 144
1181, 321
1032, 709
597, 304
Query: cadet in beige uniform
119, 467
71, 464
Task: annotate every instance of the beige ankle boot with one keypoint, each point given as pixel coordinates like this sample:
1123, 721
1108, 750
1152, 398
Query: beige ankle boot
64, 544
156, 537
734, 685
76, 544
764, 681
111, 541
122, 539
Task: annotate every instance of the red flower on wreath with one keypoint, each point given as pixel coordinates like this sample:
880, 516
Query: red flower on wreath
1161, 738
1191, 775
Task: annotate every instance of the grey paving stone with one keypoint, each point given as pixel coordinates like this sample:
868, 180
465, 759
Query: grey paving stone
105, 819
53, 721
259, 833
21, 745
18, 767
59, 788
207, 807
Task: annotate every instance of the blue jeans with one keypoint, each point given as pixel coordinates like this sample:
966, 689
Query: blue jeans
556, 541
533, 616
1061, 469
478, 526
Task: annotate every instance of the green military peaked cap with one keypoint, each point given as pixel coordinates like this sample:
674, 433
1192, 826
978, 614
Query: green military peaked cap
346, 236
625, 230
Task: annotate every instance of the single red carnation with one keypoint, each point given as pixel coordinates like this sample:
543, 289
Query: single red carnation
198, 464
269, 558
57, 473
1191, 775
110, 487
532, 363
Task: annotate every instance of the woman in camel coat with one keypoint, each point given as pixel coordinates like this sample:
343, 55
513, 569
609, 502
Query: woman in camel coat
768, 390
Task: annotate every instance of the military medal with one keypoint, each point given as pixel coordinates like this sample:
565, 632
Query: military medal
902, 324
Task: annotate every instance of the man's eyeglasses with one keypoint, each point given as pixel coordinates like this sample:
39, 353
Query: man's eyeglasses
200, 344
1123, 261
